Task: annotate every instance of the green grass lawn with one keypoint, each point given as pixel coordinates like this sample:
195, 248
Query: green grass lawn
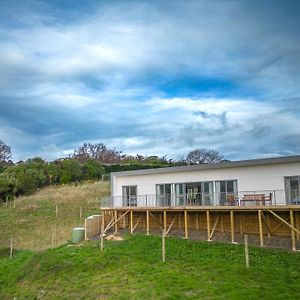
132, 269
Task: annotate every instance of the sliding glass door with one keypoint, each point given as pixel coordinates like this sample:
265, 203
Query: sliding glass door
129, 195
163, 194
226, 192
292, 187
180, 194
194, 193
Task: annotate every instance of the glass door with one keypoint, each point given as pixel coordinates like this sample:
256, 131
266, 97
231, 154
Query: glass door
292, 186
129, 195
180, 198
163, 194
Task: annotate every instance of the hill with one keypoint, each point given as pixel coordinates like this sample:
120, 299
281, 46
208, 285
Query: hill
48, 216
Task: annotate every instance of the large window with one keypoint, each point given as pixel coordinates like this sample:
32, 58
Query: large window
163, 194
129, 195
292, 187
226, 192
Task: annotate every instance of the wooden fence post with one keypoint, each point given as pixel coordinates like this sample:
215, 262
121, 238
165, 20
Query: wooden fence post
52, 239
163, 244
11, 248
80, 212
102, 236
246, 250
56, 211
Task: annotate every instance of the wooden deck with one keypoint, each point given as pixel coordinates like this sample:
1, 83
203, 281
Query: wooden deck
264, 221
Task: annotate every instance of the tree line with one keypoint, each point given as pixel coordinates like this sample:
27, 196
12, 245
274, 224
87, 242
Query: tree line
88, 162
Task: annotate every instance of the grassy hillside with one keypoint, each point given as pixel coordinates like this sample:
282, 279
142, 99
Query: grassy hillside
132, 269
33, 222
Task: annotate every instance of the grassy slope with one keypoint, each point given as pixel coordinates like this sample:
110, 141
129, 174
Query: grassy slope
33, 220
132, 269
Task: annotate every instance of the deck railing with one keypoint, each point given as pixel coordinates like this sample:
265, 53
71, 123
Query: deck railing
240, 198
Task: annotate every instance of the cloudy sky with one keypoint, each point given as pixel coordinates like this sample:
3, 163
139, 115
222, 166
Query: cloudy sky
150, 77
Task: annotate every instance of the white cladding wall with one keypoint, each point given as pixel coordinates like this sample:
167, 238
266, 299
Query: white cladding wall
250, 178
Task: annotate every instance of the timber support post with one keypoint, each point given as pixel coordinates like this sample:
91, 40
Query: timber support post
186, 234
232, 227
116, 220
293, 235
131, 221
261, 235
208, 225
147, 222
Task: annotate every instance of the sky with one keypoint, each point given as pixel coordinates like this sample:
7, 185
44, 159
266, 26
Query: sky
150, 77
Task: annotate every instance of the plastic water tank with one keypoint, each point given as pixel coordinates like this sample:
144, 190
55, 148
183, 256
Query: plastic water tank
78, 235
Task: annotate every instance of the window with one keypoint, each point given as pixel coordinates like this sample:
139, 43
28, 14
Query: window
129, 195
226, 192
292, 187
163, 194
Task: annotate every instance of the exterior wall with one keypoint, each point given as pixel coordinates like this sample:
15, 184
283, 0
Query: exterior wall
250, 178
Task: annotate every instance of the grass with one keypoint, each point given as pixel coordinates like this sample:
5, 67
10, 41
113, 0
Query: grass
133, 269
32, 222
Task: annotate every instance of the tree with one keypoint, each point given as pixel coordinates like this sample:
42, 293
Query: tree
98, 152
5, 152
203, 156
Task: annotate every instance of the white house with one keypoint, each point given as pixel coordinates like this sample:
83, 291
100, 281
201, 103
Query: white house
273, 181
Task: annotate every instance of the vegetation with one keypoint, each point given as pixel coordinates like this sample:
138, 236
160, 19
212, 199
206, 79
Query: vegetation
88, 162
203, 156
33, 219
132, 269
5, 152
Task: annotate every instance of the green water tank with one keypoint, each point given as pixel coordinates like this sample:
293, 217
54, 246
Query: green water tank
78, 235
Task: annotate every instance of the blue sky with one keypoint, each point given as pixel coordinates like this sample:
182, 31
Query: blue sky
150, 77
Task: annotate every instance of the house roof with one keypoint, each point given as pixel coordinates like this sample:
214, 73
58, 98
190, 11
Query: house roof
221, 165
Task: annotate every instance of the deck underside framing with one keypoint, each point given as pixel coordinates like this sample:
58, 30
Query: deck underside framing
264, 221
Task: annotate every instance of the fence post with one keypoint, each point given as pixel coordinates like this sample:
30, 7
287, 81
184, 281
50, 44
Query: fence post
52, 239
56, 210
11, 248
246, 250
14, 202
163, 244
80, 212
101, 237
55, 234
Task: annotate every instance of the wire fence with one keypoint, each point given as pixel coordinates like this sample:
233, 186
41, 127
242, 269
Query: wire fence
38, 225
